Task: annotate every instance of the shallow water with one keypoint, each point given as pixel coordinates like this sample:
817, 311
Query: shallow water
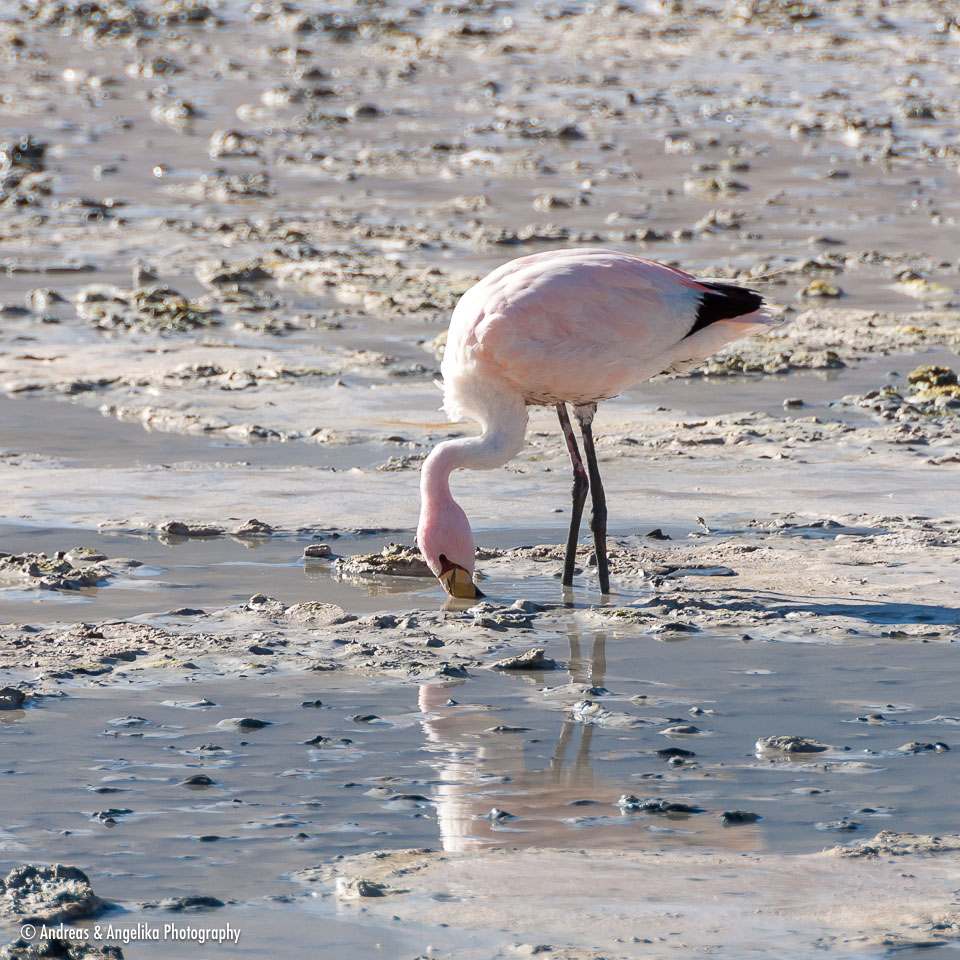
834, 163
79, 434
220, 571
437, 757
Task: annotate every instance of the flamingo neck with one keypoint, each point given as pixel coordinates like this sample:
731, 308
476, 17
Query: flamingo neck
504, 424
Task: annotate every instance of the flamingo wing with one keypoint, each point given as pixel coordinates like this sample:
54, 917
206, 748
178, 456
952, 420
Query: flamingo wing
582, 325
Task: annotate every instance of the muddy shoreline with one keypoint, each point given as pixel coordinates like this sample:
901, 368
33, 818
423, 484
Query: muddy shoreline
232, 237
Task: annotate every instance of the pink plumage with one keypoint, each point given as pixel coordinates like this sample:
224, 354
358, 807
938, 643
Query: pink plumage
567, 326
577, 326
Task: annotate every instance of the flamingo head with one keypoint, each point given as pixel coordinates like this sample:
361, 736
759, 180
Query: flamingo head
446, 542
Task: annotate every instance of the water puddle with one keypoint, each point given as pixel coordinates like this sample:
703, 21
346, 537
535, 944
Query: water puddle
164, 793
79, 434
216, 572
818, 389
383, 156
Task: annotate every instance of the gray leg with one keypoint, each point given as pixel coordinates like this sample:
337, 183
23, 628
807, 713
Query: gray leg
598, 516
580, 487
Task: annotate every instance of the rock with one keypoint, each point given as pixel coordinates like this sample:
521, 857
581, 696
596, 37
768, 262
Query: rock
525, 606
843, 825
736, 817
358, 111
357, 887
58, 949
785, 744
198, 780
52, 573
394, 560
317, 551
233, 143
916, 746
932, 376
156, 308
711, 187
185, 904
142, 275
218, 273
632, 804
110, 817
47, 894
11, 698
176, 528
318, 614
88, 554
243, 723
175, 114
223, 187
42, 300
674, 626
518, 615
568, 131
890, 843
534, 659
875, 718
922, 289
451, 670
821, 288
253, 528
271, 606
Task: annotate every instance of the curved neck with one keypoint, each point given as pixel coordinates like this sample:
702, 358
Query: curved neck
504, 425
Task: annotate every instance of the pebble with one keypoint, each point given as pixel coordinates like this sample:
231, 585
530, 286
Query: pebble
243, 723
534, 659
737, 817
789, 744
632, 804
177, 528
317, 551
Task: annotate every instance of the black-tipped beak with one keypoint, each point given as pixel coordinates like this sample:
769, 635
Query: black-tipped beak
457, 581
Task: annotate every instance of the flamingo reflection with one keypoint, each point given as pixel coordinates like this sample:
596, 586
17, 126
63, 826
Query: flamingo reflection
493, 788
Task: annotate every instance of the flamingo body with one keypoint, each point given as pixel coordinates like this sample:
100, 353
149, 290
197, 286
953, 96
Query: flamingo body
577, 326
566, 326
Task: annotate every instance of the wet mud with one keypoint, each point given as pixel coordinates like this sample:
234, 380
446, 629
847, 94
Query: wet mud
229, 690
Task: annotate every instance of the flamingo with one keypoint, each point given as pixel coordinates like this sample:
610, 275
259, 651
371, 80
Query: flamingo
556, 328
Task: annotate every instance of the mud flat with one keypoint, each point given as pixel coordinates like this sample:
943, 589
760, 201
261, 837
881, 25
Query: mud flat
231, 238
297, 795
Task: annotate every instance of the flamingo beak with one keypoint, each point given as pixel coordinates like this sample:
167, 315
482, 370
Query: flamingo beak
457, 582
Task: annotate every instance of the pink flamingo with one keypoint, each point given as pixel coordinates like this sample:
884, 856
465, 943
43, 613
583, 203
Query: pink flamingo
563, 327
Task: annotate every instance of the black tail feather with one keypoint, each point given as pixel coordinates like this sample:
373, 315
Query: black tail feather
724, 301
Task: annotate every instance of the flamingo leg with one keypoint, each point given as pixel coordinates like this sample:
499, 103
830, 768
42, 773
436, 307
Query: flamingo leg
598, 515
580, 486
